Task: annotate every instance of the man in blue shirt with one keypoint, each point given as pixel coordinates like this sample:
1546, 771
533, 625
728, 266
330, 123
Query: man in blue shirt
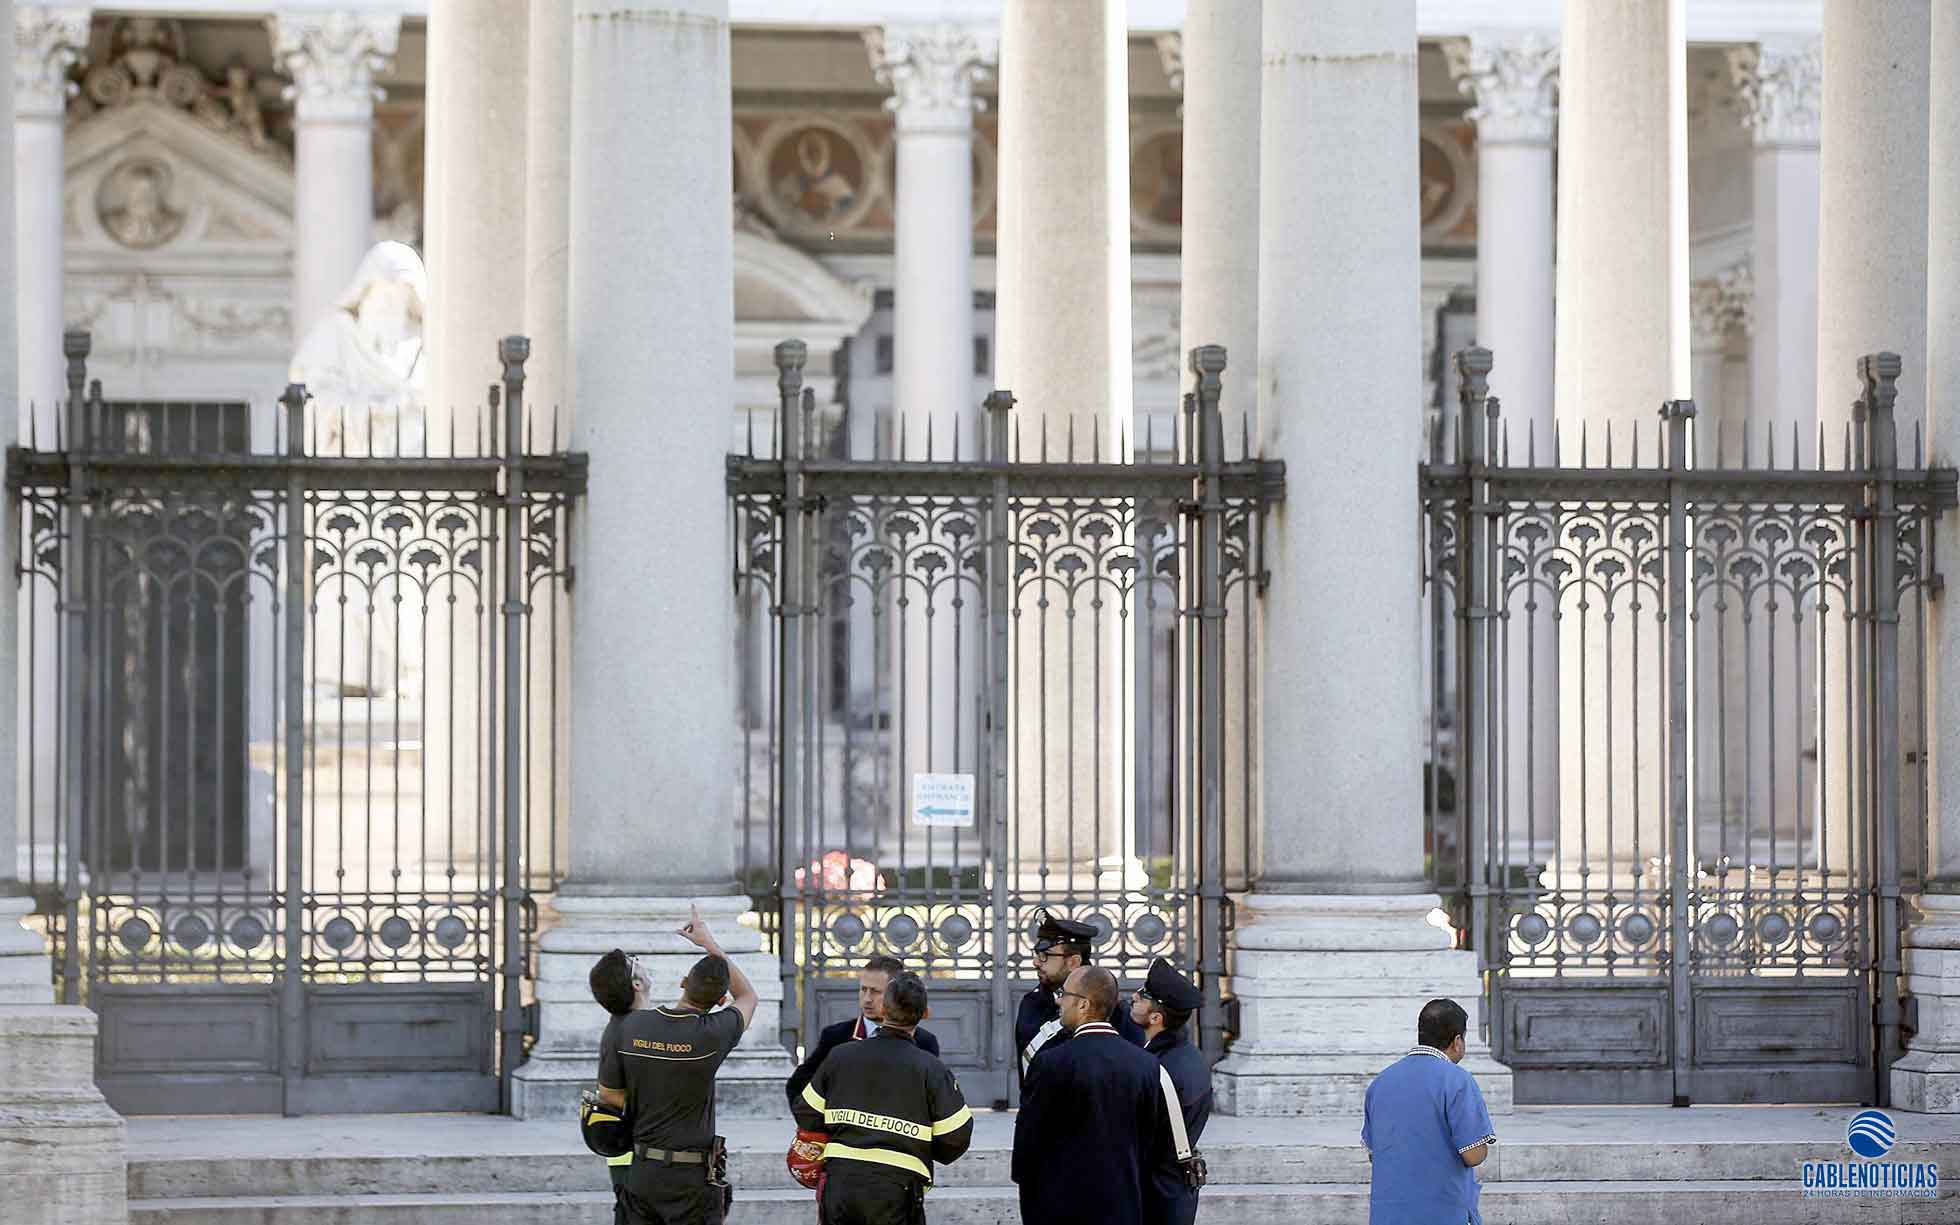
1427, 1128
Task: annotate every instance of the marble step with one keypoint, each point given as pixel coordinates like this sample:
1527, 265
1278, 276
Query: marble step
1565, 1202
155, 1177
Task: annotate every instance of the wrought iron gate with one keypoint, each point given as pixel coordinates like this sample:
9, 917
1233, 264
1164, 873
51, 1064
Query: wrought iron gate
1682, 707
290, 704
1070, 634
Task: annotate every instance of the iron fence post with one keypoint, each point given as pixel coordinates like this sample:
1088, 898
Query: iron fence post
1880, 373
1680, 582
790, 356
292, 987
513, 351
75, 346
1208, 364
1476, 812
1000, 559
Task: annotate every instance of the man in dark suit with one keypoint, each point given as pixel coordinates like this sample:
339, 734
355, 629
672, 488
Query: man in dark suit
873, 980
1092, 1121
1164, 1006
1061, 946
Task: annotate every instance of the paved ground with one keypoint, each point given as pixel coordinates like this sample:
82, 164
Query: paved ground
178, 1137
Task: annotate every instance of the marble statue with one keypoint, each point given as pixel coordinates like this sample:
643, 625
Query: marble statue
363, 361
362, 365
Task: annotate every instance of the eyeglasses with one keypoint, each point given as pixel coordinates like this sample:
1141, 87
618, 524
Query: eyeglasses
1071, 995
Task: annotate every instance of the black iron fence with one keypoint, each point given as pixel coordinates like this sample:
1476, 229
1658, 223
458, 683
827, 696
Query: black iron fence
1010, 676
1679, 741
291, 706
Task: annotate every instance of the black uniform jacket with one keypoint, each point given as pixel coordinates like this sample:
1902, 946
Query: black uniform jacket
835, 1036
887, 1102
1166, 1198
1091, 1126
1040, 1008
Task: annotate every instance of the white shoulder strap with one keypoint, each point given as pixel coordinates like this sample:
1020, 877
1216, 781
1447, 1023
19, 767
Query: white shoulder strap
1042, 1037
1176, 1108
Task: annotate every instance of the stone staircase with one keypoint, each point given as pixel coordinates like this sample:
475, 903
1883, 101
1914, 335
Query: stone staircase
1552, 1166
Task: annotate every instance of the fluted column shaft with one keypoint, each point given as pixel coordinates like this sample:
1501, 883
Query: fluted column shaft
1928, 1077
476, 187
49, 40
332, 58
1780, 85
1513, 80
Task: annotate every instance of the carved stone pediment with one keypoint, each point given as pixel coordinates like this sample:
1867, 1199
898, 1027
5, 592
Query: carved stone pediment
151, 177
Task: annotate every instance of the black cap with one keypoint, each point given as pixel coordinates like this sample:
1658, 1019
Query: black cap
1054, 931
1171, 989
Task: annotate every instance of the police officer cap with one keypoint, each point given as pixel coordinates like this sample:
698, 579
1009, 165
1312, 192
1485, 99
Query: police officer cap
1171, 989
1054, 931
606, 1132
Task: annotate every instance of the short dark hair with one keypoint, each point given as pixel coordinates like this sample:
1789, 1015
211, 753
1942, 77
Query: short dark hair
885, 964
707, 982
1099, 985
905, 1000
612, 983
1441, 1023
1175, 1019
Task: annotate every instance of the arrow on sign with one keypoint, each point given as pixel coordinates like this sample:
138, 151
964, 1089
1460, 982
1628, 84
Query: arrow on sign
943, 812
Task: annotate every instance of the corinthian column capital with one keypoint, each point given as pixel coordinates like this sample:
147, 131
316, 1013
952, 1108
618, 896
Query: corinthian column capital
49, 39
332, 57
931, 71
1781, 88
1513, 80
1722, 305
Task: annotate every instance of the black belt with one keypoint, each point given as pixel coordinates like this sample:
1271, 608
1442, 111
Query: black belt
643, 1152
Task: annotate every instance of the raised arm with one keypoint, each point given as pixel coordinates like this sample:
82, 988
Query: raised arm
741, 993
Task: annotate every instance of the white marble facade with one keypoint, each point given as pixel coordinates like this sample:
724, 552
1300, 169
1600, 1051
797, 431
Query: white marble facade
191, 177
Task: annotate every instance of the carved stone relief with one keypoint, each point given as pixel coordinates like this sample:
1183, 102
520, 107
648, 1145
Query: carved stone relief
147, 64
134, 206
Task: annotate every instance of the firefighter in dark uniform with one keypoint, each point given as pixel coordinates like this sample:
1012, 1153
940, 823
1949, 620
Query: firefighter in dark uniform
660, 1069
891, 1111
1092, 1122
1164, 1006
1060, 946
620, 985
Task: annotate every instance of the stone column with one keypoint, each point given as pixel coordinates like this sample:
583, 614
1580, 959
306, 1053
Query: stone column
1780, 86
475, 188
1732, 663
1220, 298
332, 58
652, 369
1217, 70
71, 1148
1513, 78
1871, 297
1928, 1077
1622, 332
547, 285
1622, 349
547, 209
931, 70
50, 39
475, 228
1063, 327
1872, 220
1335, 955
